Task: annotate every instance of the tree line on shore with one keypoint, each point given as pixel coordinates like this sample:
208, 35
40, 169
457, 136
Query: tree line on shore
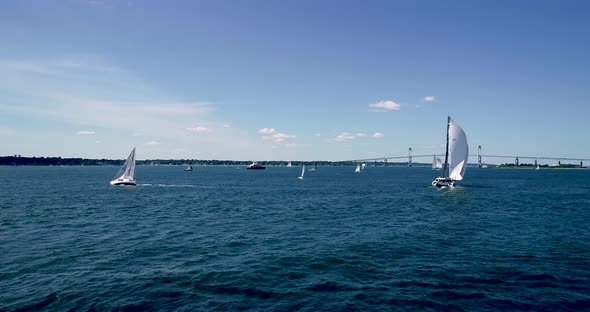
17, 160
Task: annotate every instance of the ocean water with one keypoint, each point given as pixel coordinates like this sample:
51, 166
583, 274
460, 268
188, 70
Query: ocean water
221, 239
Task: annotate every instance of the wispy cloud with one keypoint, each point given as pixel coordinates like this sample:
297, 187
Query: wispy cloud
199, 129
280, 137
378, 135
87, 91
86, 132
267, 131
384, 106
429, 98
152, 143
345, 136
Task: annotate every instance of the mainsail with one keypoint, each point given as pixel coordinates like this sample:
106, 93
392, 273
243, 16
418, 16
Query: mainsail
458, 152
127, 171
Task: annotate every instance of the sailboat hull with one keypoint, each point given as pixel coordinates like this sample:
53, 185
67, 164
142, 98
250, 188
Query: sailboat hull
443, 182
123, 183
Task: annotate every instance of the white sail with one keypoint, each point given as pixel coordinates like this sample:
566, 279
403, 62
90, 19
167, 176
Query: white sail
436, 162
363, 166
458, 151
289, 164
127, 171
358, 168
302, 172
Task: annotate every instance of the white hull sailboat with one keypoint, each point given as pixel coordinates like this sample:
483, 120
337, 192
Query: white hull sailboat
436, 163
363, 166
457, 152
189, 168
302, 173
358, 168
127, 171
289, 165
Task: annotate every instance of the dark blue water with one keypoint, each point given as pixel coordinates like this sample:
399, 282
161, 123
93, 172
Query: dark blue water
219, 239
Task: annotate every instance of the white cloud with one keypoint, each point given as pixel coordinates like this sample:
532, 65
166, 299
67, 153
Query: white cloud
86, 132
345, 136
383, 106
226, 125
361, 135
429, 98
152, 143
280, 137
199, 129
267, 131
378, 135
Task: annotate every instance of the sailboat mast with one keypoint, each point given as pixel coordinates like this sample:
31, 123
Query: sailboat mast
446, 168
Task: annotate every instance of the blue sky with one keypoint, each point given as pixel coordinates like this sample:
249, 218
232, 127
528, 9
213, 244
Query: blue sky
289, 80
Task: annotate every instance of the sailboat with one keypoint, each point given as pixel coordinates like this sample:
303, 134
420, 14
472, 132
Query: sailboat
289, 165
302, 172
358, 168
363, 166
436, 163
457, 152
189, 168
538, 167
127, 171
314, 168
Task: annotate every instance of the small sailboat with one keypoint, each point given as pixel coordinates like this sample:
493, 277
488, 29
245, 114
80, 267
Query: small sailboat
358, 168
302, 172
538, 167
255, 166
363, 166
436, 163
127, 171
289, 165
314, 168
457, 152
189, 168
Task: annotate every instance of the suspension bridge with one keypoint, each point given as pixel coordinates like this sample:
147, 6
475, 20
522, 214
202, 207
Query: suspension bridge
480, 158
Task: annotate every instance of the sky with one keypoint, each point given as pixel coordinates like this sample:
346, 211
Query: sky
292, 80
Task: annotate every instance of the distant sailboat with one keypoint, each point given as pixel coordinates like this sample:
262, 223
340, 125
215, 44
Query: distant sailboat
538, 167
289, 165
302, 172
363, 166
314, 168
436, 163
189, 168
358, 168
457, 152
127, 171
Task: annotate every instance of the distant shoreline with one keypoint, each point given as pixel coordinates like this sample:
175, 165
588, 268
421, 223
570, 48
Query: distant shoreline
59, 161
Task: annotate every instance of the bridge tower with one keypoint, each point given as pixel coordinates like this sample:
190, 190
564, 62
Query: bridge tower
385, 162
516, 161
535, 162
410, 157
479, 164
581, 164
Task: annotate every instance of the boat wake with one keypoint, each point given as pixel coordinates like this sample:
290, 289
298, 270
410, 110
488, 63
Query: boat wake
168, 185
